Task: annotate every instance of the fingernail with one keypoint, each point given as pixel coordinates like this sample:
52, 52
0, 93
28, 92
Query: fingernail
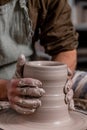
38, 83
39, 102
42, 92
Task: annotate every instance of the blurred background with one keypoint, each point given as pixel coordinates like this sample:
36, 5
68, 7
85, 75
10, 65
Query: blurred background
79, 19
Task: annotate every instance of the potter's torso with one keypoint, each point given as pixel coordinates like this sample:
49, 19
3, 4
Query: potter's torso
14, 39
14, 33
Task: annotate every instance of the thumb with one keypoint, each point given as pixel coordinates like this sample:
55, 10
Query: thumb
20, 66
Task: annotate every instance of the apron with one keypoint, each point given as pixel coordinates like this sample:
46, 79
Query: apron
15, 35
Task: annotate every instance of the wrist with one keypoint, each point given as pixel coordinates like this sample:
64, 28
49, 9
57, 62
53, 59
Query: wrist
3, 89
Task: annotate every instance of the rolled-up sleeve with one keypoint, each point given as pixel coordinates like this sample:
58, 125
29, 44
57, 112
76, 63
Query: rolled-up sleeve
57, 31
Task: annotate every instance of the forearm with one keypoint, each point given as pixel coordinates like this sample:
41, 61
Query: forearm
3, 89
68, 57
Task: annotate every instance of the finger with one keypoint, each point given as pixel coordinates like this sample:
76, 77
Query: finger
16, 85
27, 103
19, 67
29, 82
68, 86
21, 60
22, 110
31, 92
70, 73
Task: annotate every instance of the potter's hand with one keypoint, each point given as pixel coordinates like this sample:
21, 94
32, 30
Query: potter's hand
20, 66
24, 93
69, 91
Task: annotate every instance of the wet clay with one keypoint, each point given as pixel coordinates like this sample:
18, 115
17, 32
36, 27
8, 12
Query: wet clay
54, 113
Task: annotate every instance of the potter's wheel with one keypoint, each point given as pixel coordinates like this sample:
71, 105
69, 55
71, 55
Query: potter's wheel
53, 114
10, 120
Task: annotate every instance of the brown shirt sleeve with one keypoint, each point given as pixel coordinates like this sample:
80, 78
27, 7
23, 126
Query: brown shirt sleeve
57, 31
2, 2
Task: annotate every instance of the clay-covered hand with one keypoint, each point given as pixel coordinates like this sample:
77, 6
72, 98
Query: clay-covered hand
19, 67
69, 91
24, 93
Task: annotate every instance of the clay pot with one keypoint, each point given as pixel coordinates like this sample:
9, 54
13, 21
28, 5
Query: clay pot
53, 76
53, 111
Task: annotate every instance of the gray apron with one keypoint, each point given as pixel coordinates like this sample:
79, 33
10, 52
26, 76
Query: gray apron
15, 35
